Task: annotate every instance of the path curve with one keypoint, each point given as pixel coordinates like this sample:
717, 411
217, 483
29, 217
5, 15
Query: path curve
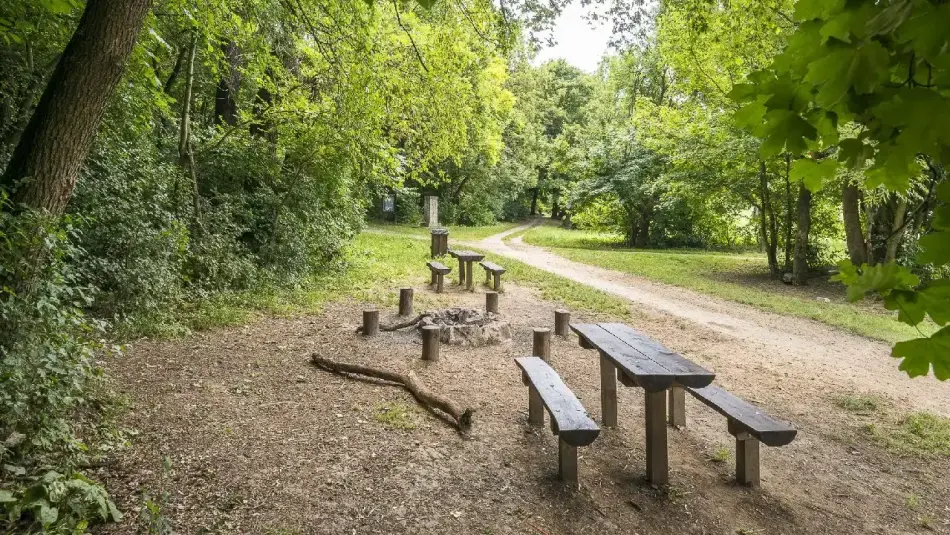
831, 354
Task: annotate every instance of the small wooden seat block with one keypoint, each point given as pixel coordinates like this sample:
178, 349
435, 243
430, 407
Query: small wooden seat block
569, 420
750, 426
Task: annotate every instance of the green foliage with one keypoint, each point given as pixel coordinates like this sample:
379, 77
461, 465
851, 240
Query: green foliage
396, 415
882, 67
919, 434
49, 381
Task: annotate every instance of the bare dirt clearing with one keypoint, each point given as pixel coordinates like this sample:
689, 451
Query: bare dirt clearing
262, 442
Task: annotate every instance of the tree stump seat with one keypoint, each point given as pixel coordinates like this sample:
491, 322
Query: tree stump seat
438, 271
569, 420
748, 424
493, 270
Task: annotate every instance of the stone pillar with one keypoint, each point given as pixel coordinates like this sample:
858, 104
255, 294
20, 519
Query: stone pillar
430, 210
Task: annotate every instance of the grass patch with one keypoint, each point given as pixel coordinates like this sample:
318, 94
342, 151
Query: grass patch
861, 404
920, 434
740, 278
720, 455
455, 233
396, 415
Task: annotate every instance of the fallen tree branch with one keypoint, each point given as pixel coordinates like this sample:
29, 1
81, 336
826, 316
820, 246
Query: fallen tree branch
389, 328
409, 381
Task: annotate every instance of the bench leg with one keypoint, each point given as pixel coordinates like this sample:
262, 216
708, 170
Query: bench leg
677, 407
658, 464
747, 460
497, 282
440, 283
567, 462
461, 272
608, 392
487, 277
432, 279
469, 279
535, 407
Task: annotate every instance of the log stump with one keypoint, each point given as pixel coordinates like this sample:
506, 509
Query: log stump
405, 301
370, 322
491, 302
431, 342
562, 322
542, 344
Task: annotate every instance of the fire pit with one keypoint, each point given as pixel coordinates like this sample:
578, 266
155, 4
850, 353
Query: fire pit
466, 326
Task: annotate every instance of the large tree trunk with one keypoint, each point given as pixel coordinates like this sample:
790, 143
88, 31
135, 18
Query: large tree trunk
768, 221
854, 234
225, 105
54, 145
800, 267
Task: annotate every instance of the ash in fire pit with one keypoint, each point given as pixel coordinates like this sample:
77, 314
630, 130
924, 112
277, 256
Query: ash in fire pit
466, 326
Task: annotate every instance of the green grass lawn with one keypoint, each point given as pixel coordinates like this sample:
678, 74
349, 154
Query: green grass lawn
736, 277
455, 233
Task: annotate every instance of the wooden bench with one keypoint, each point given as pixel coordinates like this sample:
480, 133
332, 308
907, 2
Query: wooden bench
439, 271
748, 424
493, 270
569, 421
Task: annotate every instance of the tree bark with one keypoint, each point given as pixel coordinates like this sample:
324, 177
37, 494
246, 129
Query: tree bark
854, 234
897, 231
225, 105
186, 153
788, 213
534, 201
800, 267
769, 232
54, 145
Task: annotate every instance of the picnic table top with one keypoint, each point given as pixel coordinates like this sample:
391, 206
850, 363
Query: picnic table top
467, 256
650, 364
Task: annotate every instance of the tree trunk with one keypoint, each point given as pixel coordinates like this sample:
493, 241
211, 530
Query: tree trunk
225, 105
556, 204
54, 145
768, 221
534, 201
897, 231
800, 267
186, 154
788, 213
854, 234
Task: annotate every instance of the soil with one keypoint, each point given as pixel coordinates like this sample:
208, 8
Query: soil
259, 441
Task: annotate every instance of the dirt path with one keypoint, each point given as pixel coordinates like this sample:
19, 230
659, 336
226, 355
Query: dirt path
845, 361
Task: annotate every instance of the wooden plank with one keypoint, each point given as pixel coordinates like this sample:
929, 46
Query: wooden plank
438, 267
677, 408
687, 372
747, 462
574, 425
746, 416
658, 462
648, 374
491, 266
567, 462
608, 392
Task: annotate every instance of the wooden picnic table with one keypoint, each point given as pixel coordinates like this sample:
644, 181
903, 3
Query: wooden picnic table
636, 360
466, 260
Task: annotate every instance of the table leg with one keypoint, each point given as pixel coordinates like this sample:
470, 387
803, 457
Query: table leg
608, 392
470, 283
677, 411
461, 272
658, 464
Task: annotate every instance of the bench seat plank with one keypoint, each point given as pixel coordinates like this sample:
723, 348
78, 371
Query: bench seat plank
687, 372
573, 424
763, 427
439, 267
491, 266
649, 375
